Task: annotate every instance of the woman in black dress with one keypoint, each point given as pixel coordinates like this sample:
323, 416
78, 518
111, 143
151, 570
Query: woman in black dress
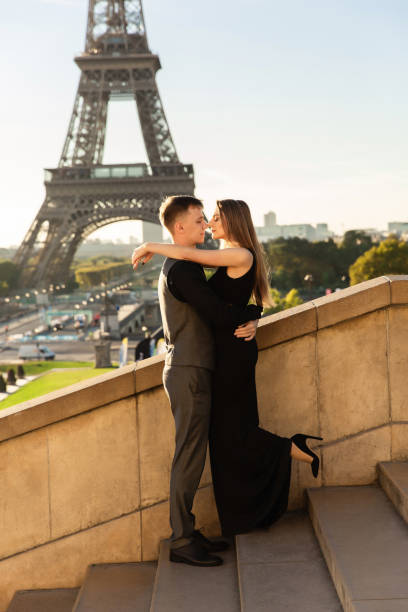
250, 466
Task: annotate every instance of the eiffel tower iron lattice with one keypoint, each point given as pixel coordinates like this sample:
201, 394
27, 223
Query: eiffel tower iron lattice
83, 194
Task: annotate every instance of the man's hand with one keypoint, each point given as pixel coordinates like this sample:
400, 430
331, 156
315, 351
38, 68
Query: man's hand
141, 254
247, 331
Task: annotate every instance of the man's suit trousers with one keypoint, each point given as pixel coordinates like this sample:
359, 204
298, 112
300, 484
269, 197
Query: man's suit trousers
189, 392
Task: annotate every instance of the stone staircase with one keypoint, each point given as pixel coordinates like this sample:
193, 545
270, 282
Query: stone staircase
363, 538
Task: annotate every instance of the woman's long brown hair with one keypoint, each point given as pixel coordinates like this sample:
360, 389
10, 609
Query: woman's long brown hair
238, 227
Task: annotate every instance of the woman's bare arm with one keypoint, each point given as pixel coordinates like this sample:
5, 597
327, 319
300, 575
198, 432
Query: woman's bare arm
230, 257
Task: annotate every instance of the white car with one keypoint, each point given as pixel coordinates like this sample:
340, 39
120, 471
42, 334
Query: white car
32, 351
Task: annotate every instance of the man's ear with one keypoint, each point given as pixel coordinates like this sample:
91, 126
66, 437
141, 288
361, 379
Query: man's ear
178, 227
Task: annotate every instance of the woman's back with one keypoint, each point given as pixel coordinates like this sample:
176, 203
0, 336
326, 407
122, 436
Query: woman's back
233, 290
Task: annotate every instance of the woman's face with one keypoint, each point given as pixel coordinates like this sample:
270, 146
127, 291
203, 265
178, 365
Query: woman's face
215, 224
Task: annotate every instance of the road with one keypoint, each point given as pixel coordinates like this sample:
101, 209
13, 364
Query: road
65, 350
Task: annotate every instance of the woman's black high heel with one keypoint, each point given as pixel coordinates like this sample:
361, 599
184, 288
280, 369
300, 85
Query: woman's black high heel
300, 441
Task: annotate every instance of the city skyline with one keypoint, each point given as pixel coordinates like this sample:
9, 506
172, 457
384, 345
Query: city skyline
307, 118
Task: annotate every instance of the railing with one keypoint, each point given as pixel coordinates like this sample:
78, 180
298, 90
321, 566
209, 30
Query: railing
117, 171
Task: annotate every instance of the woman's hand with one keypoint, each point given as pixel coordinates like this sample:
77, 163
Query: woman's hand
247, 331
141, 255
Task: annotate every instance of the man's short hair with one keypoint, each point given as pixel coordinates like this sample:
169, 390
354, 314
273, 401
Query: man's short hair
173, 206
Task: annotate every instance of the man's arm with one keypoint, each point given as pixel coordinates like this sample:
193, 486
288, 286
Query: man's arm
187, 282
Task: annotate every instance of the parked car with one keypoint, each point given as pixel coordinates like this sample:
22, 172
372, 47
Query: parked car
32, 351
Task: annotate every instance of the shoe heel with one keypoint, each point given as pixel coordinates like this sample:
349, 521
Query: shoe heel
300, 441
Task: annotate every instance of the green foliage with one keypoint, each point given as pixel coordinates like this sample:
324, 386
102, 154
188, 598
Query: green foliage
92, 275
292, 298
9, 274
325, 263
4, 288
389, 257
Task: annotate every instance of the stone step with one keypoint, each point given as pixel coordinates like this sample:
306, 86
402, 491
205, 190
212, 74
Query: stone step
43, 600
365, 544
117, 587
282, 569
393, 478
184, 588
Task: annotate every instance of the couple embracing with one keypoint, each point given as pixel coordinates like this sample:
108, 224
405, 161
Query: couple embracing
209, 376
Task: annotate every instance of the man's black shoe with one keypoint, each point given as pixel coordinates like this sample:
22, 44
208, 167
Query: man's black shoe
210, 545
194, 554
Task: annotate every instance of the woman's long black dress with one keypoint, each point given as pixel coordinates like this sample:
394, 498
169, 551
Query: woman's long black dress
250, 466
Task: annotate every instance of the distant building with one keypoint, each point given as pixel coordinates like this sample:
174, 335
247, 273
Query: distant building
375, 234
398, 227
270, 230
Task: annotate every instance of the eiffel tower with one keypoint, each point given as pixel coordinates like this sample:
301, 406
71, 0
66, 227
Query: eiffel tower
83, 194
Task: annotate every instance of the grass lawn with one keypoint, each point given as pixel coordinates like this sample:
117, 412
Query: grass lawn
51, 382
33, 368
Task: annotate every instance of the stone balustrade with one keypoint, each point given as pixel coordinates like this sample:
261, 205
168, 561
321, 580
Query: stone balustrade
84, 471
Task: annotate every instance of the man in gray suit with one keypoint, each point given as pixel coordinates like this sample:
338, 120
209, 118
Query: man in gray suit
189, 309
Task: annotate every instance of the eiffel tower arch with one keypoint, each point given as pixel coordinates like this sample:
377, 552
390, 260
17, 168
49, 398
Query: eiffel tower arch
83, 194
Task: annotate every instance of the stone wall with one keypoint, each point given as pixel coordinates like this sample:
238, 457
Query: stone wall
84, 472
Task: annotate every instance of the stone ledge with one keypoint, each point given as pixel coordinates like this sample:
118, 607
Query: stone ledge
399, 288
67, 402
148, 373
330, 309
353, 301
136, 378
286, 325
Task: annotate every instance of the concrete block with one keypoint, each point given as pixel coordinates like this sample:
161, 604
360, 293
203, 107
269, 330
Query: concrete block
365, 544
43, 600
398, 362
156, 439
63, 563
399, 288
183, 588
289, 539
300, 480
353, 461
399, 441
67, 402
393, 477
380, 605
117, 587
155, 527
24, 495
283, 569
286, 325
287, 388
353, 376
353, 302
148, 373
93, 467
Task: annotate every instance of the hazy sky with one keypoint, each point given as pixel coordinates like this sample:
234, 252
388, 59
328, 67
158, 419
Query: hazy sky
296, 106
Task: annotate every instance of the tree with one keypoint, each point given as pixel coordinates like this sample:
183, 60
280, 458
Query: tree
292, 298
323, 263
353, 245
9, 274
292, 259
389, 257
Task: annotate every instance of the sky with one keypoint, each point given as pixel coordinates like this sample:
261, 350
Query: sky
296, 106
